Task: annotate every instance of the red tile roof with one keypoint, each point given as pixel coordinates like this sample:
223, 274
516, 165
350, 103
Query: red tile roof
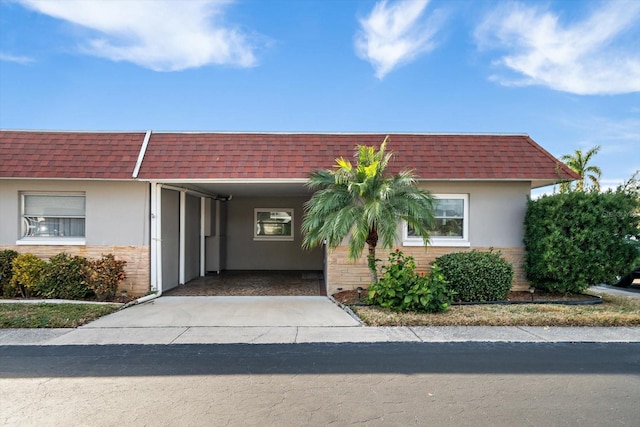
204, 156
274, 155
96, 155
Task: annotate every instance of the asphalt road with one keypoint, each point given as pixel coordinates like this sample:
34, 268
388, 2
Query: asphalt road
463, 384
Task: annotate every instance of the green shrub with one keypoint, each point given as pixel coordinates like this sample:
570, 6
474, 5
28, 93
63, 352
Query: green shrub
27, 273
401, 288
578, 239
477, 276
65, 277
6, 264
105, 275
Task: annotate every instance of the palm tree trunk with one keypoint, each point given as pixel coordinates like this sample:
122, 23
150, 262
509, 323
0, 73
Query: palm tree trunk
371, 261
372, 241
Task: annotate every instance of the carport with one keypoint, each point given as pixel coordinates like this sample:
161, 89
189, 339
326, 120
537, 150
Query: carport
200, 228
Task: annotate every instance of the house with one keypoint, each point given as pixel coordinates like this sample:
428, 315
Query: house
177, 205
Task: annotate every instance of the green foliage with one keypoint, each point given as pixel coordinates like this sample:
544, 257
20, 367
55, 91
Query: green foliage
6, 264
28, 271
579, 239
105, 275
363, 203
65, 277
477, 276
401, 288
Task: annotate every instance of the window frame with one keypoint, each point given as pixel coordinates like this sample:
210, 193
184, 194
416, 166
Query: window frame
50, 240
443, 240
273, 238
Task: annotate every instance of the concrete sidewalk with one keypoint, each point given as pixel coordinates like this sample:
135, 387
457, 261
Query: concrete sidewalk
279, 320
311, 334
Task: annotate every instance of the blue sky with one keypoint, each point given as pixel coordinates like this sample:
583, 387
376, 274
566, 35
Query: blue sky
565, 72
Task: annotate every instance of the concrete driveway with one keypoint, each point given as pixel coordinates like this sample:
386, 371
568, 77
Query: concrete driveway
201, 311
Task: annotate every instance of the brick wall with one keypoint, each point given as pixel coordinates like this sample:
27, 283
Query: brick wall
347, 274
137, 258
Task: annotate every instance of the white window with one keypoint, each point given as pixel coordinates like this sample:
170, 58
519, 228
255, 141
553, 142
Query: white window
451, 223
52, 218
273, 224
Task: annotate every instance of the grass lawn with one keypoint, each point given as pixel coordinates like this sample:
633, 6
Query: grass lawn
46, 315
614, 311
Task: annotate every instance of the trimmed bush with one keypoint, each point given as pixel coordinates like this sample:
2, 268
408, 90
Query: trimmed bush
65, 277
401, 288
575, 240
105, 275
477, 276
27, 274
6, 264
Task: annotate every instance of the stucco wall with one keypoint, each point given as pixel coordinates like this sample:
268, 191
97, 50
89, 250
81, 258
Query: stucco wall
243, 253
117, 213
496, 210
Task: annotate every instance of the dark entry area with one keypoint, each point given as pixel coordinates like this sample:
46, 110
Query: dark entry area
254, 283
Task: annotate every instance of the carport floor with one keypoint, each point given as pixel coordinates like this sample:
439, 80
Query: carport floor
254, 283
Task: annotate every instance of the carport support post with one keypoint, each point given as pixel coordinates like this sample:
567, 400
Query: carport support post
203, 213
183, 237
156, 238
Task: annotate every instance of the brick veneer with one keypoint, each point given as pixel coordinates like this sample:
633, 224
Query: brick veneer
137, 257
347, 274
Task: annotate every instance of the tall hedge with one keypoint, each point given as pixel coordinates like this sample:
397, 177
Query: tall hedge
577, 239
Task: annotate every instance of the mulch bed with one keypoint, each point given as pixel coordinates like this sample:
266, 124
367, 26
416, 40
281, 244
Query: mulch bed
350, 297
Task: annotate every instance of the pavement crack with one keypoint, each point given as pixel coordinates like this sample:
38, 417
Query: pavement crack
414, 333
179, 335
253, 340
532, 334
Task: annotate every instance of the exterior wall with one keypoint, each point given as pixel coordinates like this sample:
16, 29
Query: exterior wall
496, 210
243, 253
496, 218
117, 213
117, 222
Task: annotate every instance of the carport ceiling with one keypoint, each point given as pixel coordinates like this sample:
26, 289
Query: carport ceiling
251, 189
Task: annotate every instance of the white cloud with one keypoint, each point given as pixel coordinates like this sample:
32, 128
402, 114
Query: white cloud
15, 58
163, 35
394, 34
592, 56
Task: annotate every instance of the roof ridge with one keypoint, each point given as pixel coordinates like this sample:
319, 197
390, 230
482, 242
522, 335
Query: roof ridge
210, 132
72, 131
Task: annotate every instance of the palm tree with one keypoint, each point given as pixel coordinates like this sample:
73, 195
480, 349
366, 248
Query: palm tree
365, 204
579, 163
